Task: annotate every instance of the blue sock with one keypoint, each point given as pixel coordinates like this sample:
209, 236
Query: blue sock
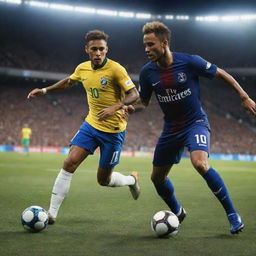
166, 191
217, 186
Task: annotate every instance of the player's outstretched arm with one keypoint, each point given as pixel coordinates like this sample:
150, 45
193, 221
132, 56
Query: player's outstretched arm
59, 86
130, 97
247, 102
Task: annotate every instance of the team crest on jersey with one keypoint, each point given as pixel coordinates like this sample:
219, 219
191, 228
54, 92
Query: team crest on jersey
103, 82
182, 78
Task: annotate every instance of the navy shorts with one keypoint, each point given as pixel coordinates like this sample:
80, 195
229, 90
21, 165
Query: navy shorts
110, 144
170, 148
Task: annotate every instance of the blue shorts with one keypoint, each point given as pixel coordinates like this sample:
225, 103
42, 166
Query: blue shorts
110, 144
170, 148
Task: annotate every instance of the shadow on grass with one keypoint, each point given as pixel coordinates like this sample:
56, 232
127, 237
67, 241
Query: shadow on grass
224, 236
10, 235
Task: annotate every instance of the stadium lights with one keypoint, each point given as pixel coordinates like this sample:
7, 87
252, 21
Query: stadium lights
126, 14
85, 9
114, 13
12, 1
207, 18
227, 18
169, 17
37, 4
230, 18
182, 17
61, 7
106, 12
143, 15
248, 17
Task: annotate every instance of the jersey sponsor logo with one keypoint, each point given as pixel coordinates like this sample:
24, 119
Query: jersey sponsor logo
154, 84
182, 78
103, 82
208, 65
129, 82
174, 97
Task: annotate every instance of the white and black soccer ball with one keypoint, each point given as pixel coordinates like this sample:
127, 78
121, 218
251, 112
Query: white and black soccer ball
34, 218
165, 223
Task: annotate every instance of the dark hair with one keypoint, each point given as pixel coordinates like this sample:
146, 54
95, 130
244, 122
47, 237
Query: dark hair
159, 29
96, 35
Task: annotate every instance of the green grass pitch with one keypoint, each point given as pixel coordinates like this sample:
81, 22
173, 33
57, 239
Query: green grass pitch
95, 220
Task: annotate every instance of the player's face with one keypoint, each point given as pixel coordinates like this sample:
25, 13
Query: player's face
97, 50
154, 48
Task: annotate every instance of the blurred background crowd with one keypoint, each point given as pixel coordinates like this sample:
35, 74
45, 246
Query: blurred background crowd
55, 43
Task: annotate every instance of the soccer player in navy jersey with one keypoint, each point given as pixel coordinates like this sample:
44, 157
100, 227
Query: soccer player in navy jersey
174, 78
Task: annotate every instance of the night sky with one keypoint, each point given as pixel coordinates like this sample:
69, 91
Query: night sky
192, 7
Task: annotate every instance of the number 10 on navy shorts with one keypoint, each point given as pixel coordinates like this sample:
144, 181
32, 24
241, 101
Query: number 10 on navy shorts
110, 144
170, 148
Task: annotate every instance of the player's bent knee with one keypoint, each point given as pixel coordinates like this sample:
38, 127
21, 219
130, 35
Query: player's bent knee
201, 166
157, 180
70, 166
103, 182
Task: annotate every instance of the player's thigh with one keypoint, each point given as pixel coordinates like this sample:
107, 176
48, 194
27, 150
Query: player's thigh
110, 149
198, 138
75, 157
198, 144
168, 151
86, 138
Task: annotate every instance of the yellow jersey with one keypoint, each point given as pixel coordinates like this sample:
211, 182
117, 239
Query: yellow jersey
105, 87
26, 133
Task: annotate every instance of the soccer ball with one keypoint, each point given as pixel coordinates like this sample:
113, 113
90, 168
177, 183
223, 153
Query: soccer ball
165, 223
34, 218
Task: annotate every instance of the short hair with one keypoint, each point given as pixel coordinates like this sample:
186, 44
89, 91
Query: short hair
159, 29
96, 35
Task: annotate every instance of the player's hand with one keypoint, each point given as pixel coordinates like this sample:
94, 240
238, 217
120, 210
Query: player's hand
249, 105
106, 112
34, 93
127, 110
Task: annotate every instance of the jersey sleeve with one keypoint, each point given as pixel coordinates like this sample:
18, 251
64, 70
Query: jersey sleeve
145, 88
76, 75
202, 67
123, 79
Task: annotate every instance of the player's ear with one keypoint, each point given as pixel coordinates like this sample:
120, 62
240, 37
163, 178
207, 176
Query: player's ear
165, 43
86, 48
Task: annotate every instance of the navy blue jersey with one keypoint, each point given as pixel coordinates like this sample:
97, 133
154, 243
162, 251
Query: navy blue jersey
177, 89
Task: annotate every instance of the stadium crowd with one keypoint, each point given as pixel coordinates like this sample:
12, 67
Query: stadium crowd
55, 118
37, 42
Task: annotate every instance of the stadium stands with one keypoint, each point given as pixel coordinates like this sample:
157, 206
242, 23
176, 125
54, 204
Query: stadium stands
55, 118
44, 44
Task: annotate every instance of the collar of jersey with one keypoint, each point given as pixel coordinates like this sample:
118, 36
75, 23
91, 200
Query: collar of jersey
102, 65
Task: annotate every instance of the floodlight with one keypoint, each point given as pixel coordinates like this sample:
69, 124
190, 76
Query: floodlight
143, 15
126, 14
106, 12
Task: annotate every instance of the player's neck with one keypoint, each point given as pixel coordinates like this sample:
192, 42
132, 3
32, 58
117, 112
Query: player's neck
166, 60
99, 66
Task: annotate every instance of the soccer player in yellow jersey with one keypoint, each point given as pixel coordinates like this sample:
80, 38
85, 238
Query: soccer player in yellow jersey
25, 138
110, 91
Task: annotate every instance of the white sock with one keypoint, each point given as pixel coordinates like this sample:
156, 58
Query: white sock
120, 180
59, 191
